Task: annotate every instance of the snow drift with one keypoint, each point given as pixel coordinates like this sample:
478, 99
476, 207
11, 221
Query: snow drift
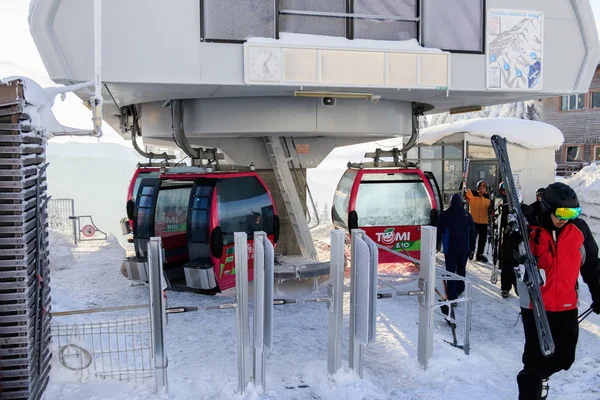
61, 246
586, 184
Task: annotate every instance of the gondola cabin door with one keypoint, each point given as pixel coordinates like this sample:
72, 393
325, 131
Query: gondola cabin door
390, 205
242, 204
134, 185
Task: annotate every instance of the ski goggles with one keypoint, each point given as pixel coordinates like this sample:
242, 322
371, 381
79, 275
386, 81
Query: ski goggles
567, 213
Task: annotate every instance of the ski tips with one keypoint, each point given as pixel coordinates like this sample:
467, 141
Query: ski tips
496, 138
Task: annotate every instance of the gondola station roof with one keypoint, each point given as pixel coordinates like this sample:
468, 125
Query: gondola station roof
525, 133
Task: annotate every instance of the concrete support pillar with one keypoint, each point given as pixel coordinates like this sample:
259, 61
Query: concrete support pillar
287, 240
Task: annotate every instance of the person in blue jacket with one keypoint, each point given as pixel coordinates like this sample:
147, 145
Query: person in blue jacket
456, 230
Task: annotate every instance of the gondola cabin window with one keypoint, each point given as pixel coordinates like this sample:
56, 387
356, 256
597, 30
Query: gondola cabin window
341, 200
394, 199
138, 181
171, 209
244, 206
144, 212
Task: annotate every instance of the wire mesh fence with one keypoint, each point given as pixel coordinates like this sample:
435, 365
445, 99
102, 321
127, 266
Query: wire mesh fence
118, 349
59, 213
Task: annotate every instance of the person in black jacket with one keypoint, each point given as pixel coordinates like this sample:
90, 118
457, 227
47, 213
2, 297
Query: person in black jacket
536, 208
456, 230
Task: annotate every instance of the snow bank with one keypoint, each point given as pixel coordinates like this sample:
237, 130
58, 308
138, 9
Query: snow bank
529, 134
61, 250
301, 39
586, 184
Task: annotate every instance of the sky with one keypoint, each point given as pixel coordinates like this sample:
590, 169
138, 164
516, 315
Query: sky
19, 57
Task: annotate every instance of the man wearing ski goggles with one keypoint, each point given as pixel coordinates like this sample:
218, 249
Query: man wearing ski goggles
567, 213
564, 246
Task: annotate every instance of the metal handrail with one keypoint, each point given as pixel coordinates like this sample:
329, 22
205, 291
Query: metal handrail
406, 257
348, 15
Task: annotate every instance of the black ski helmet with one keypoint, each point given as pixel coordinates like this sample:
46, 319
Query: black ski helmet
558, 195
480, 182
540, 191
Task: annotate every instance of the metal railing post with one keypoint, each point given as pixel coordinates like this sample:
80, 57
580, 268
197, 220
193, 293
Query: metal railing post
469, 294
427, 301
336, 310
354, 354
158, 316
258, 320
241, 288
362, 302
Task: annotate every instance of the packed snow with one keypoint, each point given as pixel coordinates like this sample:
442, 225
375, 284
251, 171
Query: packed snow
529, 134
201, 346
318, 41
586, 184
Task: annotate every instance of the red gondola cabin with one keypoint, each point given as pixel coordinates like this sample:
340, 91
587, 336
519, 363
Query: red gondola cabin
196, 214
389, 204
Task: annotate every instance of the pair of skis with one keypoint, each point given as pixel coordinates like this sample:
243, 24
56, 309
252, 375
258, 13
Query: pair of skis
465, 176
527, 272
493, 237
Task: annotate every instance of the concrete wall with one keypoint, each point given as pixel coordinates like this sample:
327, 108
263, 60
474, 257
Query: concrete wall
287, 240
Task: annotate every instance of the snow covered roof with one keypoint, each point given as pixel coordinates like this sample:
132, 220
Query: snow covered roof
529, 134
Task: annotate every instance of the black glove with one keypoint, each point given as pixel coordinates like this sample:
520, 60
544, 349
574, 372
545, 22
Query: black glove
596, 306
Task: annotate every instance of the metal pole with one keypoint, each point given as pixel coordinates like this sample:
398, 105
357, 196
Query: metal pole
97, 99
158, 316
269, 288
469, 293
427, 301
336, 294
258, 320
353, 353
362, 301
73, 220
372, 295
241, 288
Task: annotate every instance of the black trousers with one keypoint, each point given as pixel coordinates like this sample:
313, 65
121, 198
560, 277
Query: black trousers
508, 279
457, 264
565, 332
481, 238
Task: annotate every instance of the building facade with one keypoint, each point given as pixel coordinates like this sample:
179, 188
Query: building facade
578, 117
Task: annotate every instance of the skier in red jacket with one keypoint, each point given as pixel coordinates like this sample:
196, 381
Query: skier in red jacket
564, 246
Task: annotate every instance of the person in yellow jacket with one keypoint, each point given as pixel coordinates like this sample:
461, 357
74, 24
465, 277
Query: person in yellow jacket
479, 206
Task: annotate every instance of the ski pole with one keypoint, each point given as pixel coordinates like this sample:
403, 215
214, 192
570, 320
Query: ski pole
584, 315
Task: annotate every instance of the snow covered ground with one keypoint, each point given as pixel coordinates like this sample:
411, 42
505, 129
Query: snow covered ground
201, 346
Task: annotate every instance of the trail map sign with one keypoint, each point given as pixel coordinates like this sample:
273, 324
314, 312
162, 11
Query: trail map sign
514, 50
